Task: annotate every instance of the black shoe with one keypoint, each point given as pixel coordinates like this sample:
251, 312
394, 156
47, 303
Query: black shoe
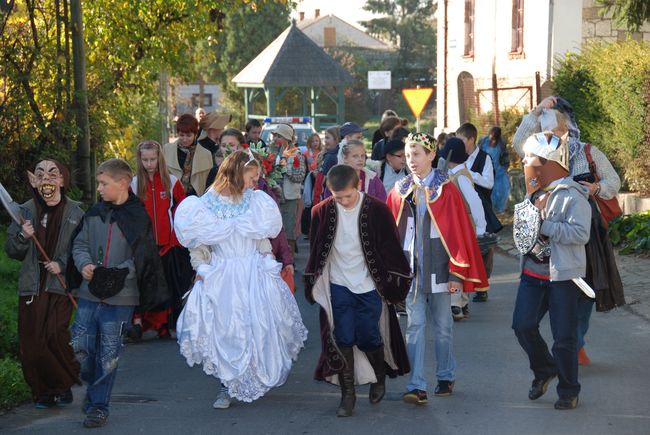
95, 418
539, 387
480, 297
444, 388
45, 401
135, 333
466, 311
457, 313
566, 403
64, 398
419, 397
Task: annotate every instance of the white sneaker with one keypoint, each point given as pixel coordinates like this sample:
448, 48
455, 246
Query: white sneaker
223, 400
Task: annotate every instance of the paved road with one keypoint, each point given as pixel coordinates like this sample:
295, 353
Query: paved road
157, 393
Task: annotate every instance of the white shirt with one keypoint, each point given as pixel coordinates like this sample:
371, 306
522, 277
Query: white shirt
472, 198
391, 177
486, 178
348, 265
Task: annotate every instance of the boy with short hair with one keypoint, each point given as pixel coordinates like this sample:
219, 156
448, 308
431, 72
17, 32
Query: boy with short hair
438, 237
480, 167
355, 272
455, 156
118, 259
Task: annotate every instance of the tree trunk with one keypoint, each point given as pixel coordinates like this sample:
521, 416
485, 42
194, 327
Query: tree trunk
84, 177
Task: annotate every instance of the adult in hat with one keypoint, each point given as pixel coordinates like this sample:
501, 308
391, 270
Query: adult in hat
551, 261
288, 155
212, 125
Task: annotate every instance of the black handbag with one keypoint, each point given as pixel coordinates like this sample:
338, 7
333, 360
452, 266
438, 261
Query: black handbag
107, 282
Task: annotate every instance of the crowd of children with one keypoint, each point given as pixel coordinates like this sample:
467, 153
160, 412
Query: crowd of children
199, 244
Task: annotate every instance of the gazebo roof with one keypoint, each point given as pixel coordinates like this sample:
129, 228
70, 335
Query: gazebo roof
293, 60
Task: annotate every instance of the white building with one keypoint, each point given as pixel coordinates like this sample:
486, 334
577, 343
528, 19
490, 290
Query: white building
502, 53
187, 98
329, 31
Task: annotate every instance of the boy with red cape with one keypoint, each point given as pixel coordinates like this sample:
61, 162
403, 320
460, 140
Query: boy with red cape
439, 239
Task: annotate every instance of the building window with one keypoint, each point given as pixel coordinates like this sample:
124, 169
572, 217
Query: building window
207, 100
329, 37
469, 28
517, 27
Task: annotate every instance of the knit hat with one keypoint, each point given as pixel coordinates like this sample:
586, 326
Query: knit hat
349, 128
454, 151
392, 146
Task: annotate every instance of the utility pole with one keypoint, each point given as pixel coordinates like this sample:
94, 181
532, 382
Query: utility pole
84, 177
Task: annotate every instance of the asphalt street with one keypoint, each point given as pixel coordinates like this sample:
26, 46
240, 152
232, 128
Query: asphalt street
156, 392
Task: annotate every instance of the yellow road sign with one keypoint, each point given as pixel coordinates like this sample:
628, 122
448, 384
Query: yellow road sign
417, 99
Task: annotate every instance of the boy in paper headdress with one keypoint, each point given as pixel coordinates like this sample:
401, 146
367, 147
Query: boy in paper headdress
556, 257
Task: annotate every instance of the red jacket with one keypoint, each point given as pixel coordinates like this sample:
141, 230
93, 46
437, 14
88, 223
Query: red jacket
161, 208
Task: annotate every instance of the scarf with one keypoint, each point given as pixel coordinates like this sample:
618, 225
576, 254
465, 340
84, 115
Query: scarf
186, 178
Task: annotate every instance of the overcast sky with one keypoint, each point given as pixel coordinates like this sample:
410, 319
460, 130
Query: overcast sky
349, 10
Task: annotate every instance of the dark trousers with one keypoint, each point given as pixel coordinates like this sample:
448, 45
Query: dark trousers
356, 318
535, 297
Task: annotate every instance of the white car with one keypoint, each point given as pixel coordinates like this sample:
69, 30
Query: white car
301, 126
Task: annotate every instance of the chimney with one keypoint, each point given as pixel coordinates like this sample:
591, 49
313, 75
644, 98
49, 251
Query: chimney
302, 16
317, 13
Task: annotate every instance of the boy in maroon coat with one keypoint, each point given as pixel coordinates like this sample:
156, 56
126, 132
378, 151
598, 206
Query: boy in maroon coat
355, 272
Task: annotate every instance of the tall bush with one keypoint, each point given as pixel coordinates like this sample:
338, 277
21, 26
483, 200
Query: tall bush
609, 88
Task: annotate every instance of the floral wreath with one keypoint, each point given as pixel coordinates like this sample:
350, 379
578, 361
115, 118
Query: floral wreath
427, 141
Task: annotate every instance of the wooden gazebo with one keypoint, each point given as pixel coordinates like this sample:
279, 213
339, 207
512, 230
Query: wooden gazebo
293, 61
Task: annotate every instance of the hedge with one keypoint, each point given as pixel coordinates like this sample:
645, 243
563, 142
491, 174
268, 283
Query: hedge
609, 88
13, 389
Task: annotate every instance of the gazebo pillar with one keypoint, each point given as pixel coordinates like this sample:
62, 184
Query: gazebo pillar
247, 107
270, 100
314, 97
340, 105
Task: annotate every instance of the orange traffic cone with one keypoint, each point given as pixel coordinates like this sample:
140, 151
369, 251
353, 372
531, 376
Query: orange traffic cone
583, 359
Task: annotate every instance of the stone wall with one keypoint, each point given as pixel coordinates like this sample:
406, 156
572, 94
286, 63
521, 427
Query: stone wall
597, 27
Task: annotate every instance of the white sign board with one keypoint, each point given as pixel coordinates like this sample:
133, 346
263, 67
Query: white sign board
378, 79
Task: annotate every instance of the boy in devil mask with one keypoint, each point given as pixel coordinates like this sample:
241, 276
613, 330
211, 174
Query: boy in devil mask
551, 227
44, 310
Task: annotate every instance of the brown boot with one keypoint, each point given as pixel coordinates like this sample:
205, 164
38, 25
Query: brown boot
346, 379
378, 389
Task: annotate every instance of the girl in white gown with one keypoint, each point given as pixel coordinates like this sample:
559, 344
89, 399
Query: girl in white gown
241, 321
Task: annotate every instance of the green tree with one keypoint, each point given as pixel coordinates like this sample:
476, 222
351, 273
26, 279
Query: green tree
408, 24
629, 13
128, 43
246, 33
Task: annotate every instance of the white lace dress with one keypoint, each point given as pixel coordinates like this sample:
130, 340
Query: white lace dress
240, 322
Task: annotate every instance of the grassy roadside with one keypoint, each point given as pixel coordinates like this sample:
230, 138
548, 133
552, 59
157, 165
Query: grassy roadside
13, 389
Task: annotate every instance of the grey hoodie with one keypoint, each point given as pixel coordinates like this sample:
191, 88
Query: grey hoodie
566, 222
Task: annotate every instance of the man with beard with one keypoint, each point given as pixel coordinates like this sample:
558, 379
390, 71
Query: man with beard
44, 310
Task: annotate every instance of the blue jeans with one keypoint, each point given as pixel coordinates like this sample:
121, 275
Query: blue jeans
535, 298
437, 306
356, 318
96, 341
585, 307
